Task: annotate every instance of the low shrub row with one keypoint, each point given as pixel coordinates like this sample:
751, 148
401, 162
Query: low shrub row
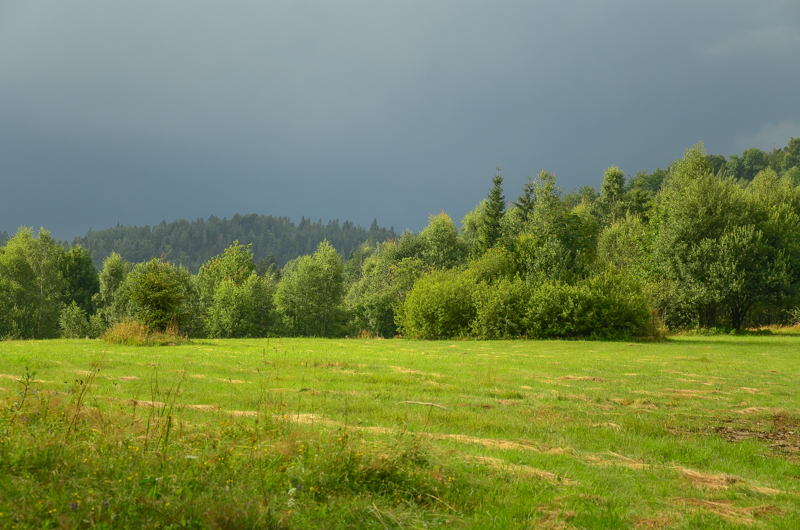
445, 304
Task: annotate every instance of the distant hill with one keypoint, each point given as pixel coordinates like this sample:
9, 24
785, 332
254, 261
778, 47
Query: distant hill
192, 243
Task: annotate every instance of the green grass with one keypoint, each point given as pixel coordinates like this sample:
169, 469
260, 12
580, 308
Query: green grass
696, 432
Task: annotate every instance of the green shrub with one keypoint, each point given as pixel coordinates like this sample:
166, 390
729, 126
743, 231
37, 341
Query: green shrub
240, 310
73, 322
439, 306
609, 305
374, 300
794, 316
155, 294
97, 326
500, 309
310, 297
495, 263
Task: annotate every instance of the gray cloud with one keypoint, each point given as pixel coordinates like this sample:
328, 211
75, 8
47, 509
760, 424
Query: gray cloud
145, 111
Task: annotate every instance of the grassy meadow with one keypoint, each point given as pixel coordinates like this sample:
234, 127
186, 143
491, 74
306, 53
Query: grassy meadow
694, 432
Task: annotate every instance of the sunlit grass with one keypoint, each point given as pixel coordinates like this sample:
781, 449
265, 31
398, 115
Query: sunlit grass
693, 432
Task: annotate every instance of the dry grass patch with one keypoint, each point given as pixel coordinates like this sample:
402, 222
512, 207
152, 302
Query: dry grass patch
728, 510
19, 379
752, 410
716, 481
611, 458
766, 491
608, 425
752, 390
654, 522
522, 470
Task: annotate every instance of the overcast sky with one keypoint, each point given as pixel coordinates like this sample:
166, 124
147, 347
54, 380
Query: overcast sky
134, 112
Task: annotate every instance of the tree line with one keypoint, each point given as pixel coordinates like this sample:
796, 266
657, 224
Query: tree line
700, 244
192, 243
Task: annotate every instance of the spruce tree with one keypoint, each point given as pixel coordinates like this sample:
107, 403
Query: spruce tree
527, 200
489, 231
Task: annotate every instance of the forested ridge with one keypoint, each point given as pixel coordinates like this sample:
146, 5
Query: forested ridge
707, 243
192, 243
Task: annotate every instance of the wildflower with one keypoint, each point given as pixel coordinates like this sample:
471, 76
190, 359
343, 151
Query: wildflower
74, 505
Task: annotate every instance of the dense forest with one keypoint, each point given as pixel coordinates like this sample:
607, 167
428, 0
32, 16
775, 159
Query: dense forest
707, 243
192, 243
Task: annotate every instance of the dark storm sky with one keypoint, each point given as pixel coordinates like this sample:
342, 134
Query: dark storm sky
134, 112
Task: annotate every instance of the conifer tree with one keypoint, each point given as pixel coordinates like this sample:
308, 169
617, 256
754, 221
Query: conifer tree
490, 230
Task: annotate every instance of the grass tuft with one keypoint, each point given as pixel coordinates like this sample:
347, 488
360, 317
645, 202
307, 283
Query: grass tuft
131, 332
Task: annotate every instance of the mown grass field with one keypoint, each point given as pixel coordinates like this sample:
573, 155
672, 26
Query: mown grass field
695, 432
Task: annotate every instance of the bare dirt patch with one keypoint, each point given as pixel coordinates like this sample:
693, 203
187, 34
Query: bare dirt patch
127, 378
784, 437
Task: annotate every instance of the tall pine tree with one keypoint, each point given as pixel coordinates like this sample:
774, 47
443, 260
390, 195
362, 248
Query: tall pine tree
489, 231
